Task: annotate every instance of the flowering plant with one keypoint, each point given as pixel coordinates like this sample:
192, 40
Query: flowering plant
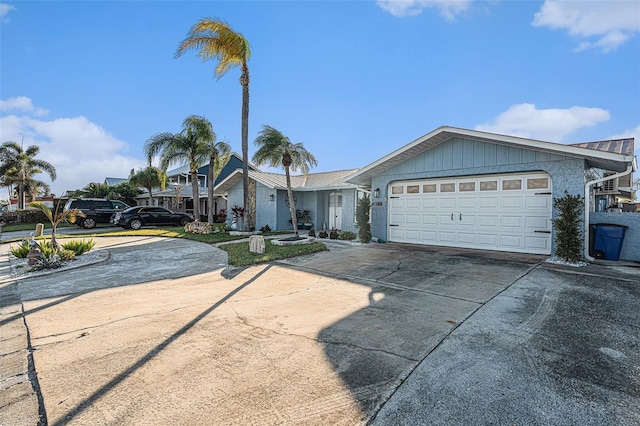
237, 211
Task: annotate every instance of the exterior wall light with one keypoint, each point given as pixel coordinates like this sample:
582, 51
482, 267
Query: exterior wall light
272, 197
376, 193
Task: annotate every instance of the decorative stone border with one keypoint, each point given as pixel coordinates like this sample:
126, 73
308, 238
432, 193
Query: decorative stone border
304, 240
245, 233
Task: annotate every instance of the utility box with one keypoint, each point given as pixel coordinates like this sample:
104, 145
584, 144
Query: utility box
608, 239
39, 230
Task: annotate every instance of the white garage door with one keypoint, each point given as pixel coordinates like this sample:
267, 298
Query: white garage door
499, 212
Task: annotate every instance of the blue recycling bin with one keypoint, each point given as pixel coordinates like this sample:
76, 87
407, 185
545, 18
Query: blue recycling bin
608, 240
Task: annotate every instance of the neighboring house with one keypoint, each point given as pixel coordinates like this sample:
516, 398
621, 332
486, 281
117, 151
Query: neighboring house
451, 187
111, 181
178, 195
328, 197
615, 193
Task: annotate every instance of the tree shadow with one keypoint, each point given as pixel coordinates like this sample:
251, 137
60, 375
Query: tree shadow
87, 402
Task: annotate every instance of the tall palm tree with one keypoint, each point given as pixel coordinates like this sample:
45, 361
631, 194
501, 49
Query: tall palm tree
56, 218
19, 167
219, 157
149, 178
215, 39
191, 146
275, 149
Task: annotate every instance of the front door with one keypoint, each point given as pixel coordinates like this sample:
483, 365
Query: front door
335, 210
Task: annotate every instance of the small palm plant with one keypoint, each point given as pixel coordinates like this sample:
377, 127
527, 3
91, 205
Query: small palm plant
56, 218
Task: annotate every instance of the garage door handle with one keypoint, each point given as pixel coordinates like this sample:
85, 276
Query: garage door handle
543, 193
451, 216
543, 232
394, 225
460, 216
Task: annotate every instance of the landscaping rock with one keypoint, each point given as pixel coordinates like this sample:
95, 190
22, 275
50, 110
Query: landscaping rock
256, 244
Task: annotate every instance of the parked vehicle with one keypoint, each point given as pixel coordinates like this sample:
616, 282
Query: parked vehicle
137, 217
96, 210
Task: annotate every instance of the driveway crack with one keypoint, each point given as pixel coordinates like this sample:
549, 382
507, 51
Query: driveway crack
246, 322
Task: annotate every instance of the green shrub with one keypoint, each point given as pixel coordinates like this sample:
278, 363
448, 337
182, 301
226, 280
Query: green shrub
362, 219
568, 232
22, 250
79, 247
66, 254
47, 249
347, 235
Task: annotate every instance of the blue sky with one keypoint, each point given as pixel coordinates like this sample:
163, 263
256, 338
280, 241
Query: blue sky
91, 81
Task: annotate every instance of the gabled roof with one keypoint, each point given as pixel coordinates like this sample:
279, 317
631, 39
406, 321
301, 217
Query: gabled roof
111, 181
310, 182
598, 159
203, 170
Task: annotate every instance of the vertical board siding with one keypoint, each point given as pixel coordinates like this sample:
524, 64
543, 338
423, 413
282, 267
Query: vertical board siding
459, 154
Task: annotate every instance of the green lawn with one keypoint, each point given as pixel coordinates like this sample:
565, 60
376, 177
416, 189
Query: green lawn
239, 254
32, 226
169, 232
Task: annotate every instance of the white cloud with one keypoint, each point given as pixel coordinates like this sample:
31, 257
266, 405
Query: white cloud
23, 104
4, 10
601, 25
449, 9
81, 151
552, 125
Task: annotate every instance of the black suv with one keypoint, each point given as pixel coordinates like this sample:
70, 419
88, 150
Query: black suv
96, 210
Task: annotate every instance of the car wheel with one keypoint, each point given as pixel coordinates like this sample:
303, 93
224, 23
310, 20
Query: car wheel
135, 224
89, 223
184, 221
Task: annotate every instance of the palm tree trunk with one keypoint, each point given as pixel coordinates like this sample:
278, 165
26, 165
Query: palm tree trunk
54, 241
244, 80
210, 184
195, 194
292, 204
150, 197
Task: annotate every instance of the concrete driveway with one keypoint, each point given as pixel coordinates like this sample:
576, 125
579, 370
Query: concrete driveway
323, 339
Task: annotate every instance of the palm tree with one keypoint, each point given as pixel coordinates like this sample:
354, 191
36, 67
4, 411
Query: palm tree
191, 146
57, 218
97, 190
215, 39
18, 167
220, 154
149, 178
275, 149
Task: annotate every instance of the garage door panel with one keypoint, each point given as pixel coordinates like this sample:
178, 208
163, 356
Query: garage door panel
512, 203
511, 241
413, 204
429, 219
494, 212
468, 203
489, 203
507, 222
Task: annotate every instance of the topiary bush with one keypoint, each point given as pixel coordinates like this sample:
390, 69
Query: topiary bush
568, 229
323, 234
362, 219
333, 234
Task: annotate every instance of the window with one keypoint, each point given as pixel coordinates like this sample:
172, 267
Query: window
467, 186
511, 184
489, 185
397, 189
538, 183
413, 189
428, 188
447, 187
